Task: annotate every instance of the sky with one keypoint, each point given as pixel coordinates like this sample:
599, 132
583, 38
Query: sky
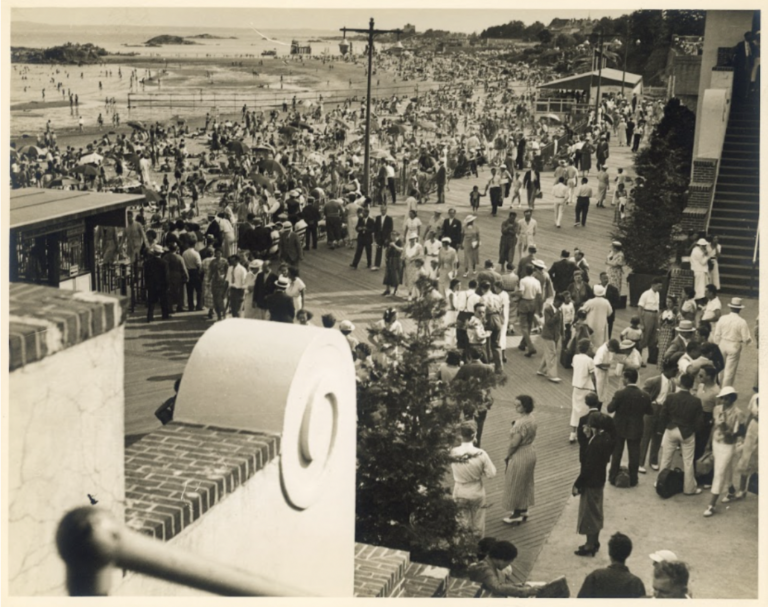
466, 20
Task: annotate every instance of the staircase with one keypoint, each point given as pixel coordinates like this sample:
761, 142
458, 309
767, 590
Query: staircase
736, 204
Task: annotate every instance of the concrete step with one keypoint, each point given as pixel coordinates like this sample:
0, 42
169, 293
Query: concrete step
736, 213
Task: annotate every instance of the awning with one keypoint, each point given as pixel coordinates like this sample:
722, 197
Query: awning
582, 82
38, 208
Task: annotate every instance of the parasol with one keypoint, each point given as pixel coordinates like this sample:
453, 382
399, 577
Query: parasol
151, 195
552, 117
271, 166
32, 151
289, 131
135, 124
92, 158
239, 147
86, 169
301, 125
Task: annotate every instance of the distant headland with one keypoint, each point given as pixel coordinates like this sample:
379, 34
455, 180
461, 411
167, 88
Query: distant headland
77, 54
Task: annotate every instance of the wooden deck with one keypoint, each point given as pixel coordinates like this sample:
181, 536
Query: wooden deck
156, 353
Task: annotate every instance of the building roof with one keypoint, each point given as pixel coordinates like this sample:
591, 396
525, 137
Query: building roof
583, 81
36, 207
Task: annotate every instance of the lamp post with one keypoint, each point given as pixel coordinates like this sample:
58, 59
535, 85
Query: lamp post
371, 33
599, 74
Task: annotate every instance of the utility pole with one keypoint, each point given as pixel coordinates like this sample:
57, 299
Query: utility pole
371, 33
599, 75
626, 52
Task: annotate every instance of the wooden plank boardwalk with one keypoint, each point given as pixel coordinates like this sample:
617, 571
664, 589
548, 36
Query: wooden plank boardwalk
156, 353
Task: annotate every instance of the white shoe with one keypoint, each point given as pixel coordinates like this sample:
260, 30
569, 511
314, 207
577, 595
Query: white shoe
709, 511
642, 470
540, 373
572, 437
555, 380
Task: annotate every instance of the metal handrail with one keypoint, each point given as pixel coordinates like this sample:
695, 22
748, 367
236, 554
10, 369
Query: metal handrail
91, 542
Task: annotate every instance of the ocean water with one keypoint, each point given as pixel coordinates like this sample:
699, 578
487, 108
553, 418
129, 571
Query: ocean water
211, 79
113, 38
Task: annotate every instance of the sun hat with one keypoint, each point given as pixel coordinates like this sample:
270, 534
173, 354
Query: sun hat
736, 303
346, 325
617, 244
156, 248
726, 391
539, 264
685, 326
445, 239
469, 219
599, 290
661, 556
256, 264
626, 344
702, 241
411, 235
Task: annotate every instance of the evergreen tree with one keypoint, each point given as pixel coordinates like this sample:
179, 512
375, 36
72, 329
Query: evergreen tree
407, 424
663, 169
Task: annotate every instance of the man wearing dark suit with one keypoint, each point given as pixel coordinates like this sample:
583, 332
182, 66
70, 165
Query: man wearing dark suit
561, 272
365, 229
156, 279
613, 297
630, 129
382, 231
681, 416
685, 333
743, 61
657, 388
452, 229
527, 260
441, 180
629, 405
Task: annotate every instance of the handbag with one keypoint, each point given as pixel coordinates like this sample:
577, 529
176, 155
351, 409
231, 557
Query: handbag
705, 464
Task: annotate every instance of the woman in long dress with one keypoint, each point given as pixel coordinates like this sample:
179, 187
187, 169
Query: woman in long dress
689, 308
471, 245
412, 224
207, 292
668, 320
598, 310
393, 271
413, 251
521, 461
591, 480
218, 269
615, 262
447, 265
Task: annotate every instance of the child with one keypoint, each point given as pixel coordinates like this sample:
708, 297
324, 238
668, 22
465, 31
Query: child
474, 198
517, 183
633, 332
620, 196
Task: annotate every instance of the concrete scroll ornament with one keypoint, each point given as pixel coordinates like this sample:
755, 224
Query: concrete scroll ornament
291, 380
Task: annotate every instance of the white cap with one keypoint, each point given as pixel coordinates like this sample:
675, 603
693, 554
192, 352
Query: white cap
661, 556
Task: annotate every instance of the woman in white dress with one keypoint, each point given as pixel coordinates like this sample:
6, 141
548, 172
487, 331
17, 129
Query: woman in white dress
296, 288
413, 251
412, 224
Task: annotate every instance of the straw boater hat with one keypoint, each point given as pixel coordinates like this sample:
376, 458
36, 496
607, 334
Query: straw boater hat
282, 283
617, 244
445, 239
626, 344
736, 303
685, 326
256, 264
661, 556
599, 291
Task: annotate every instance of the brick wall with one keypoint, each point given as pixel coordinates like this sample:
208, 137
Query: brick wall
379, 571
44, 320
678, 280
177, 473
704, 170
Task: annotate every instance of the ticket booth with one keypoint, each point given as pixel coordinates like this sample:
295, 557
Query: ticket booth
52, 234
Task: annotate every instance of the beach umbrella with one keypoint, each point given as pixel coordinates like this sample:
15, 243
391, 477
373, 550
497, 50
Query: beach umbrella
608, 118
86, 169
151, 195
288, 131
239, 147
263, 147
263, 181
271, 166
396, 129
341, 123
32, 151
301, 125
133, 159
134, 124
381, 154
92, 158
552, 117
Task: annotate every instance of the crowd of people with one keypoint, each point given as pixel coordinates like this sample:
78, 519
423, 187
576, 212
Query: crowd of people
278, 182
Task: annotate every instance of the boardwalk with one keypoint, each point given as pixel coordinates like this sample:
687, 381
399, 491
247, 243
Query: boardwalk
156, 354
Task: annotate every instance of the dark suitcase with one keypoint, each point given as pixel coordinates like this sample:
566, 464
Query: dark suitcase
669, 482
